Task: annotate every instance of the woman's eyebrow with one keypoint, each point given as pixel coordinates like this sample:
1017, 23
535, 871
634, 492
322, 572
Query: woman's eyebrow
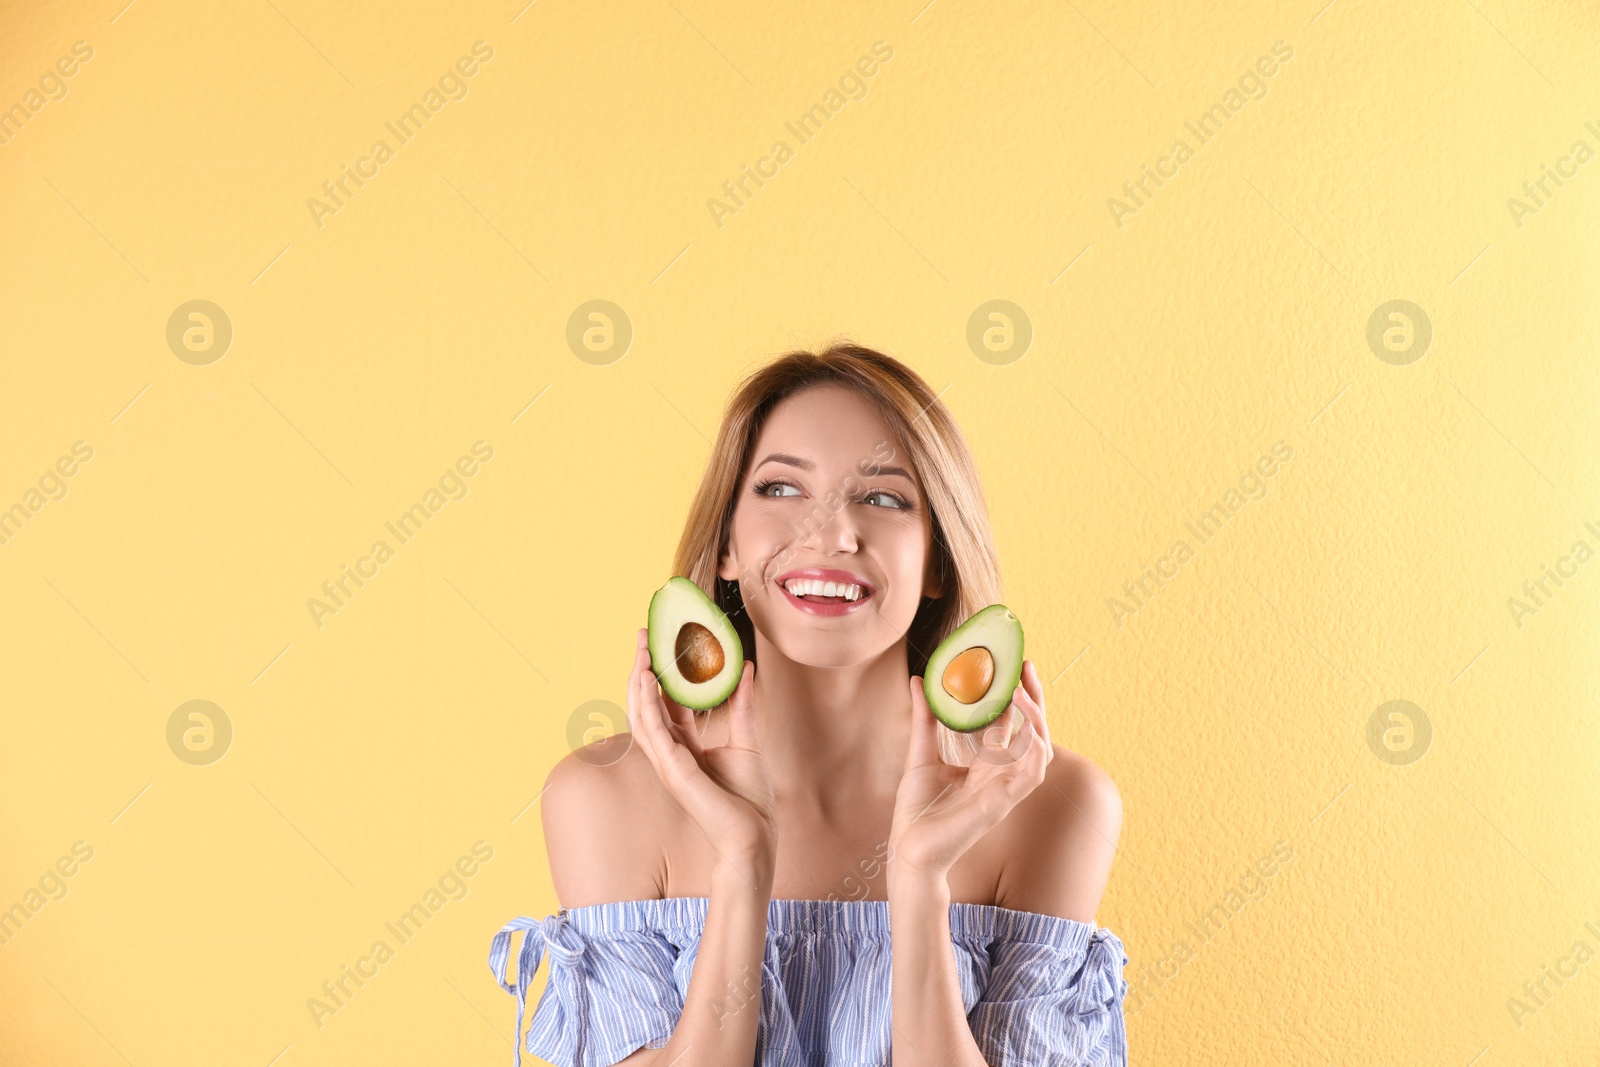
901, 471
793, 461
807, 465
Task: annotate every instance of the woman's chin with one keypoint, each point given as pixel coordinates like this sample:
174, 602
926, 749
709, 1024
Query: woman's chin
831, 651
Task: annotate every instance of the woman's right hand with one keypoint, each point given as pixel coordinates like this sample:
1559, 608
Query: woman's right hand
725, 789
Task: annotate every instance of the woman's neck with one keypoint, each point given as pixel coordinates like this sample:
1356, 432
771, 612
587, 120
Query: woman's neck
833, 736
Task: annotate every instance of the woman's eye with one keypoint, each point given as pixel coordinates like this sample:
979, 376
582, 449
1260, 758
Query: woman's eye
777, 489
885, 499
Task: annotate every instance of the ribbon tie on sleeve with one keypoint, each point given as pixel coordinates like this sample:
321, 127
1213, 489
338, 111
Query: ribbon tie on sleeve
1098, 985
565, 947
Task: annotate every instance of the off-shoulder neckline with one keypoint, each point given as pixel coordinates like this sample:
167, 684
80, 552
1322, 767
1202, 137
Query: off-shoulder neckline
796, 916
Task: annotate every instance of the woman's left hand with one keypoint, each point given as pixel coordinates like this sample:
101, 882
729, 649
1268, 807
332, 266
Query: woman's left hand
941, 810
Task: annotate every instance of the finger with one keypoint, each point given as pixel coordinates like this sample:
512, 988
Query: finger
994, 788
999, 734
692, 733
924, 745
682, 722
1006, 742
673, 761
637, 711
993, 754
1035, 688
1028, 768
995, 797
1041, 720
992, 740
677, 722
641, 657
640, 660
1031, 769
742, 732
1030, 682
1031, 714
648, 719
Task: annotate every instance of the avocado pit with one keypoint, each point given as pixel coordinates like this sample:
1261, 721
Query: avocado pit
969, 675
698, 653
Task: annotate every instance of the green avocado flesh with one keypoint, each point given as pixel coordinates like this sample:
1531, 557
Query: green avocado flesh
694, 650
996, 632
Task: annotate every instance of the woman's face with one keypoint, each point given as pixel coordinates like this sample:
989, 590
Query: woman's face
829, 497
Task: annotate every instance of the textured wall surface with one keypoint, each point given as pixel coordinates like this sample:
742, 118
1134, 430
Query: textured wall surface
1372, 272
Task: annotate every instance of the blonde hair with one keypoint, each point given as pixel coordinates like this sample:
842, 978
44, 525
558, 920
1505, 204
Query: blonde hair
963, 551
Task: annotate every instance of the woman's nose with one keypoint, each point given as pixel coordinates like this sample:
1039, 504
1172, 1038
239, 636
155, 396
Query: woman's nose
834, 529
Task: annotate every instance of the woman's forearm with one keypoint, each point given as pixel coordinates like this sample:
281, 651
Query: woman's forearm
929, 1017
722, 1008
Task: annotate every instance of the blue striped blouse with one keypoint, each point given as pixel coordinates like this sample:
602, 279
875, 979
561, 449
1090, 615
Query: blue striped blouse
1039, 990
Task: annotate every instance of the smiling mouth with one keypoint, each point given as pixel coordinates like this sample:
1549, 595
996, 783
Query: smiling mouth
817, 591
824, 593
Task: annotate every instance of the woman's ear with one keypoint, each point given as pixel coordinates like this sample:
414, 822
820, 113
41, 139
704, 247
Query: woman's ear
727, 567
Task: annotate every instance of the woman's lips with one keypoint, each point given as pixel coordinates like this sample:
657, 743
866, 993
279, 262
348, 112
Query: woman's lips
824, 607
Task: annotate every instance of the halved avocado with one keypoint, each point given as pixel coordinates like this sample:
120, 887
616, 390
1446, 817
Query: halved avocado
971, 675
694, 650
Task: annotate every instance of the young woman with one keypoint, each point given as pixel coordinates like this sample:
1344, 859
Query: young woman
729, 883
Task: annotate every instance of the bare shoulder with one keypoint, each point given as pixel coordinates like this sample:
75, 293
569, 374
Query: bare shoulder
1086, 788
600, 825
1061, 840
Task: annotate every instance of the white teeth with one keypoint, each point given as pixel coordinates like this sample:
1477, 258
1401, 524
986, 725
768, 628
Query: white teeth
816, 587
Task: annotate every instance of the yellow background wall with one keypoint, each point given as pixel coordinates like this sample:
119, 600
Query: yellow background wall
1436, 863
